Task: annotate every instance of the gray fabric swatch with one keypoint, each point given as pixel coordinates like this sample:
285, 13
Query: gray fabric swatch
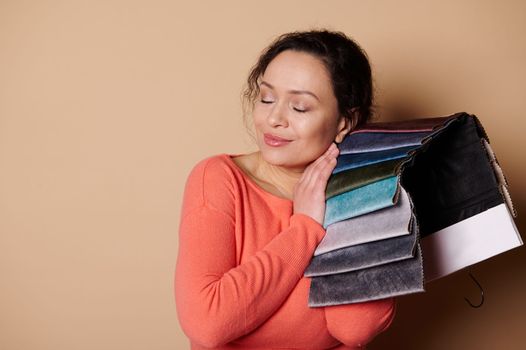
385, 223
379, 282
362, 256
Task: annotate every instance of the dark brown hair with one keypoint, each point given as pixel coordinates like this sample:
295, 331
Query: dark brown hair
346, 62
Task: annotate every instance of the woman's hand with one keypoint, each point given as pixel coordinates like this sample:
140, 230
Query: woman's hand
309, 192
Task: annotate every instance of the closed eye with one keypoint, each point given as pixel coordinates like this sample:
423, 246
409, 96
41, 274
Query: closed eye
296, 109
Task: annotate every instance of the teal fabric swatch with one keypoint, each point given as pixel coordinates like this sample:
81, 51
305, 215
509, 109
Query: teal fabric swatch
365, 199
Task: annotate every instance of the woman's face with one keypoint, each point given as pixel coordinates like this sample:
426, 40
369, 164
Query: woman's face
296, 103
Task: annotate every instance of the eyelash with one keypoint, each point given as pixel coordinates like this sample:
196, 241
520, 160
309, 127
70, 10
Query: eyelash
297, 110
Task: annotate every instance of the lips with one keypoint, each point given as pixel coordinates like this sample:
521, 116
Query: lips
275, 138
275, 141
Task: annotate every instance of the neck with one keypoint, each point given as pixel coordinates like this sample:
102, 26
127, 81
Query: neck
282, 178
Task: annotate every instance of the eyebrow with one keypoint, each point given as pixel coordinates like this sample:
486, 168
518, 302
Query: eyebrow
296, 92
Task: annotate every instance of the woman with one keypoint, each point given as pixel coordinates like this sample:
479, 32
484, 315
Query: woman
250, 222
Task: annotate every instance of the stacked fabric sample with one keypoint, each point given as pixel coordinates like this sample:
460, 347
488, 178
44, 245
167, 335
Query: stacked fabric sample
409, 202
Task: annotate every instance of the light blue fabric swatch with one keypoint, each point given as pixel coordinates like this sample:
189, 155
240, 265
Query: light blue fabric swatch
381, 224
365, 199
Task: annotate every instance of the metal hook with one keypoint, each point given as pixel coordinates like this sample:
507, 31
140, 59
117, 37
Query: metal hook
481, 293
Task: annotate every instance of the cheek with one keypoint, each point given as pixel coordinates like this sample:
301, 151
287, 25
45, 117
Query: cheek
319, 130
258, 124
256, 119
258, 115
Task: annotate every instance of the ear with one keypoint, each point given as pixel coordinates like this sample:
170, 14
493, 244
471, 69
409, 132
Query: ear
346, 124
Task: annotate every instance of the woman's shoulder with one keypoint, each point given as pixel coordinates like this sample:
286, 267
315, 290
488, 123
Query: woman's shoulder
215, 167
212, 182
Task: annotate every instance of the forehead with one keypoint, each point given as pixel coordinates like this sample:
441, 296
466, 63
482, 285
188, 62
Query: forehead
298, 70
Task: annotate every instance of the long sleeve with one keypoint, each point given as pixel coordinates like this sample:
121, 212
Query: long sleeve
217, 300
357, 324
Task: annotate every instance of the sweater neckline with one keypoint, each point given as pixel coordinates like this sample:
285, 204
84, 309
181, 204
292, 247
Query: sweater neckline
248, 179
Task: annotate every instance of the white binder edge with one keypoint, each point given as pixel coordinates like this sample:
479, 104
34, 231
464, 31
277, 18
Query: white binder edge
469, 241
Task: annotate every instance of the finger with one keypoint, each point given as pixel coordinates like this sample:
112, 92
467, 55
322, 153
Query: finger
325, 173
320, 172
308, 173
312, 168
331, 152
327, 153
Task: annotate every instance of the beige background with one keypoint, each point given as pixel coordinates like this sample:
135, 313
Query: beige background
105, 106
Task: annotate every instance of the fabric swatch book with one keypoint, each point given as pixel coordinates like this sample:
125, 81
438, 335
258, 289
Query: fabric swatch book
409, 202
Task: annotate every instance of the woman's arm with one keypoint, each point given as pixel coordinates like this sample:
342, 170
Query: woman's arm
357, 324
218, 301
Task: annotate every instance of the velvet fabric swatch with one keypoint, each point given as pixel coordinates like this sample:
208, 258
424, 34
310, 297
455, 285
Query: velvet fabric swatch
365, 199
363, 256
379, 141
453, 178
381, 224
356, 160
412, 125
357, 177
389, 280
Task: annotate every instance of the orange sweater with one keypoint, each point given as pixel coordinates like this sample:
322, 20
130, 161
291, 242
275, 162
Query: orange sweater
239, 274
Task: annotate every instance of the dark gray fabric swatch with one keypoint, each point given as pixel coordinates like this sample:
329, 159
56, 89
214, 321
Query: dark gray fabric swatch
362, 256
379, 282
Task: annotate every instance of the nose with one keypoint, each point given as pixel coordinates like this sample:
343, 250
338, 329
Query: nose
277, 115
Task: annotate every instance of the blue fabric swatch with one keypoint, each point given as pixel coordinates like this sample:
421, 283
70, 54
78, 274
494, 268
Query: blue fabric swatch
356, 160
365, 199
379, 141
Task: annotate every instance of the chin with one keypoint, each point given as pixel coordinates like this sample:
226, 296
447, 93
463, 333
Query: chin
275, 156
282, 157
